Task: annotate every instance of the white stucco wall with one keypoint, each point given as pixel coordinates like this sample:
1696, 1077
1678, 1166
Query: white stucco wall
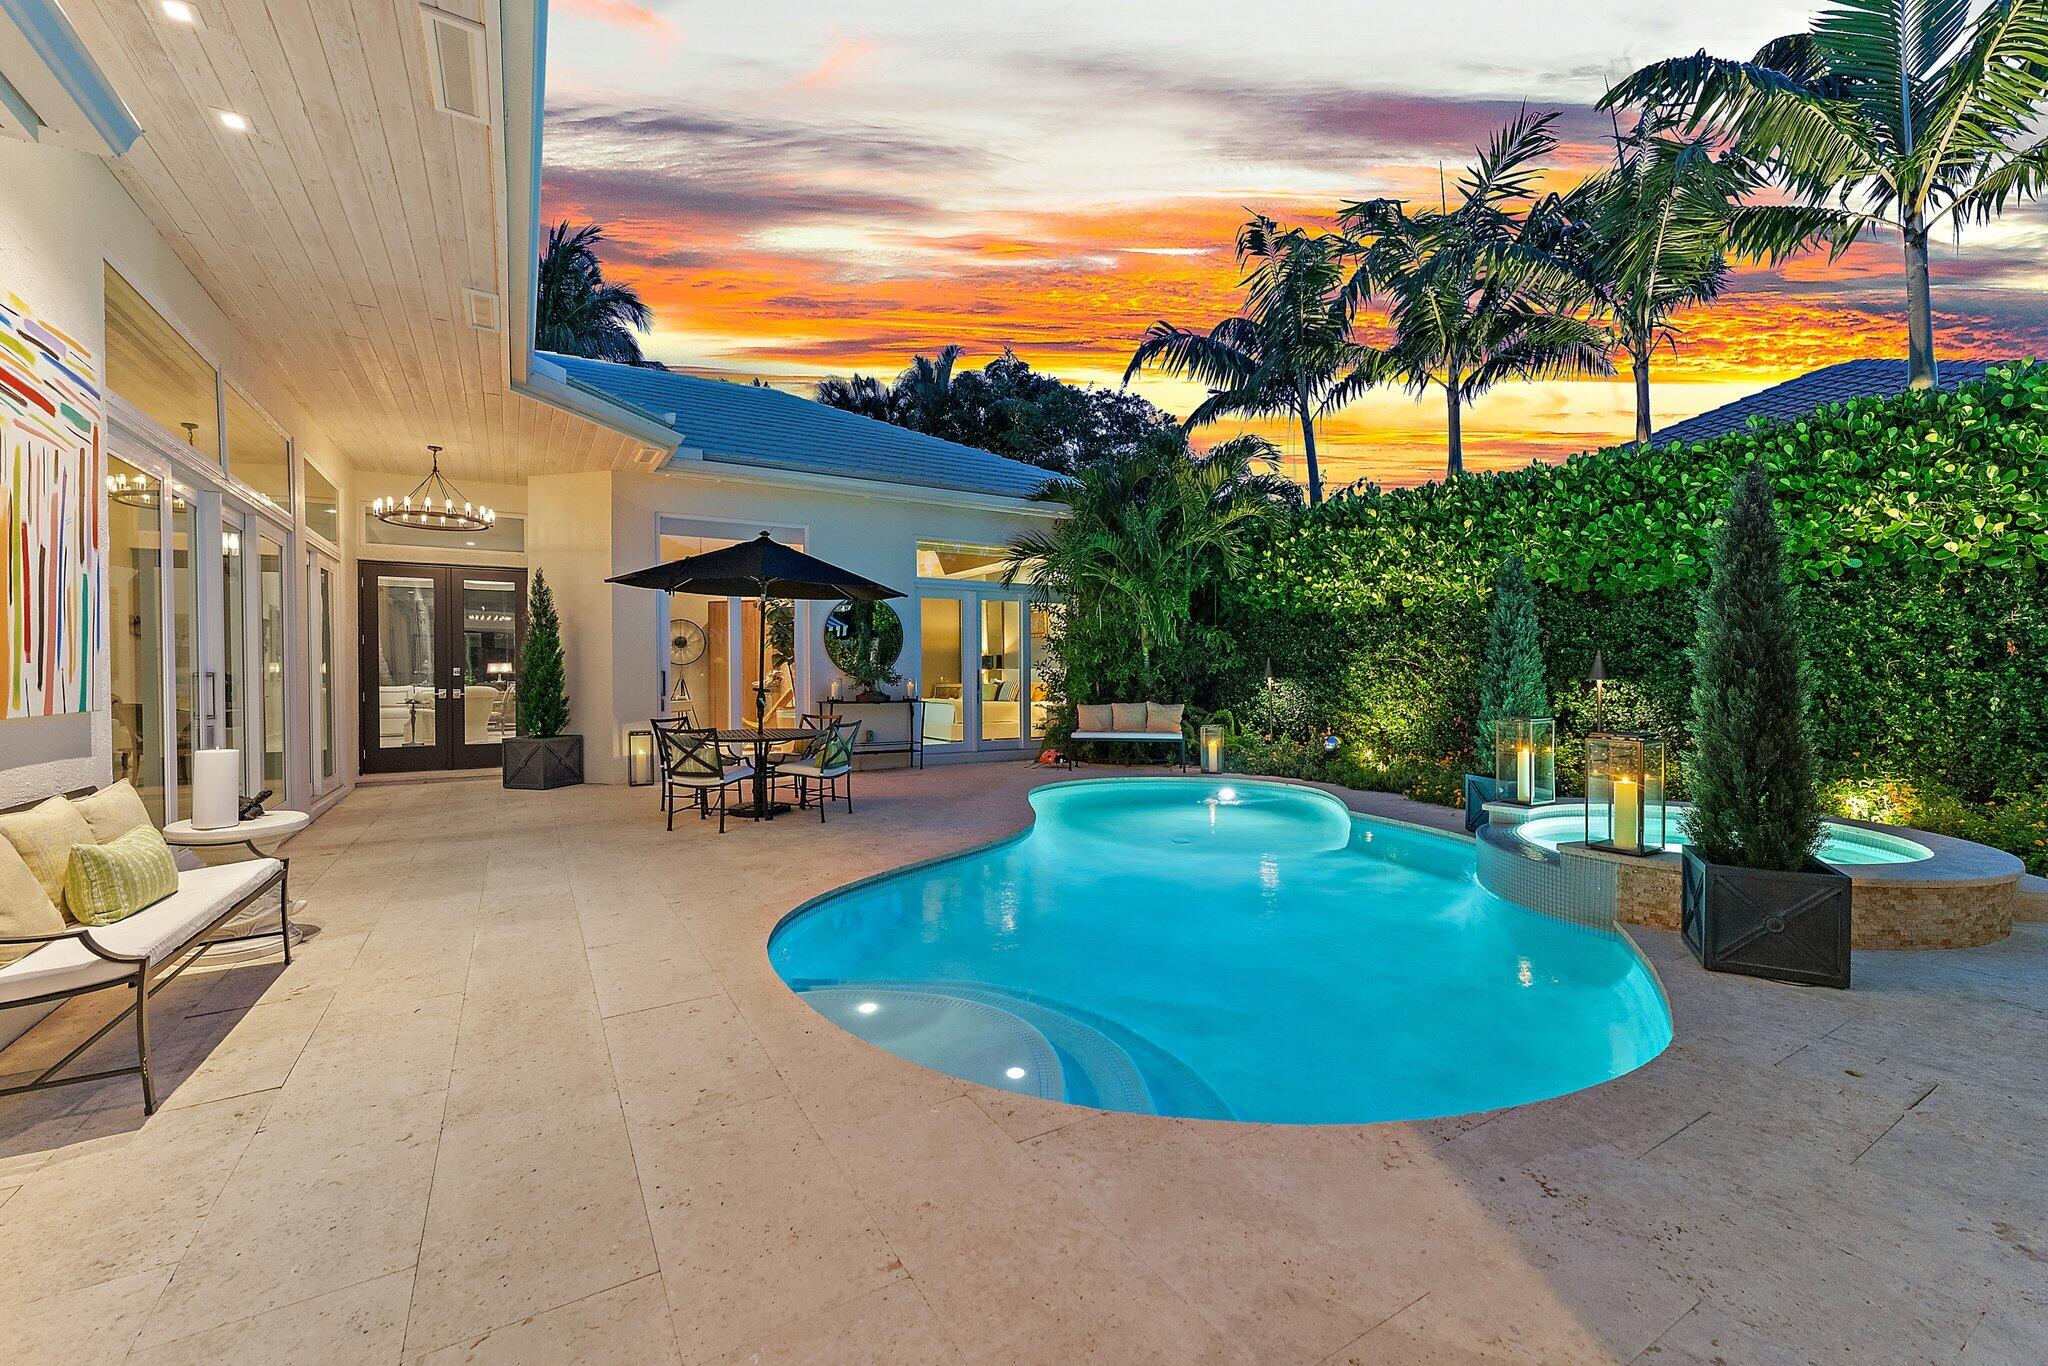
62, 214
614, 636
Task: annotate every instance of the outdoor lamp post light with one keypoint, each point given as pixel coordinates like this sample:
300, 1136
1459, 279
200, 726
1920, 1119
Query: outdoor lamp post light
640, 758
1625, 793
1525, 759
1212, 749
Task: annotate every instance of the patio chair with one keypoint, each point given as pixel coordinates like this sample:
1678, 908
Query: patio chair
825, 763
692, 763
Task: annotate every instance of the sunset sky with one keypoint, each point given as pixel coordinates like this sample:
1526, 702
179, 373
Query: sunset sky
802, 190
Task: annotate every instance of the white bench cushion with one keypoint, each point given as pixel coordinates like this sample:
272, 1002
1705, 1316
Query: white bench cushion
1169, 736
159, 931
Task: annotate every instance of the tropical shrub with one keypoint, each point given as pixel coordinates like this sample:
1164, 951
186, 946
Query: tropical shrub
1916, 528
543, 683
1511, 669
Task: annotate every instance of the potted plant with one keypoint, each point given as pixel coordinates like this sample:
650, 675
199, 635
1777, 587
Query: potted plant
1755, 900
541, 756
1510, 676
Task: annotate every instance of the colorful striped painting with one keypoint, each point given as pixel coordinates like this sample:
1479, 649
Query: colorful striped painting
51, 514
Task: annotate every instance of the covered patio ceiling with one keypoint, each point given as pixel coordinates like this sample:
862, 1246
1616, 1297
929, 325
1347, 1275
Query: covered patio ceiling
352, 226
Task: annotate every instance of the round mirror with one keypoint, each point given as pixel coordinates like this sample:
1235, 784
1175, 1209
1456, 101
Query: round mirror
863, 641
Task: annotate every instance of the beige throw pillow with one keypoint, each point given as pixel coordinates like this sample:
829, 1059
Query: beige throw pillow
1128, 716
24, 907
113, 811
1092, 716
1164, 717
43, 836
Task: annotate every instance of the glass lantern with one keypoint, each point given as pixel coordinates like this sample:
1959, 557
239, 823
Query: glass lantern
640, 758
1525, 759
1625, 793
1212, 749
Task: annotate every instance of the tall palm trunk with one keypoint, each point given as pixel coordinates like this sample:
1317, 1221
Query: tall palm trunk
1920, 366
1308, 444
1639, 362
1455, 460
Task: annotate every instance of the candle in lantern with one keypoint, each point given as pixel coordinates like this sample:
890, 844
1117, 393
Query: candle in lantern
913, 689
1525, 774
1627, 816
835, 689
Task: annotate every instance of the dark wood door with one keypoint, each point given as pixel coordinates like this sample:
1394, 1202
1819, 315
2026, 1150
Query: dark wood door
439, 659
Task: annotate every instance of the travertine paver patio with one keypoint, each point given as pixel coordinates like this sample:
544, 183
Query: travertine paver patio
532, 1093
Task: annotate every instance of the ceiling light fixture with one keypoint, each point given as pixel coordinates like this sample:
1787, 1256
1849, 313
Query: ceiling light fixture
180, 11
435, 505
229, 119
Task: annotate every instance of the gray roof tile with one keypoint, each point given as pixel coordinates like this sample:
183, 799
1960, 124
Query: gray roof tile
1795, 398
741, 424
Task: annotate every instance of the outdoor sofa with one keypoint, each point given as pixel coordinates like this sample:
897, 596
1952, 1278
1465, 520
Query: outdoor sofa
142, 953
1141, 723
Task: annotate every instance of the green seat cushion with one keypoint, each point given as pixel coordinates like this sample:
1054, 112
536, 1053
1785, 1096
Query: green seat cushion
836, 750
112, 881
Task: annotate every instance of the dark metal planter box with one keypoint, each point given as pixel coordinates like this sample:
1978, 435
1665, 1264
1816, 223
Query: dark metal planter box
1478, 792
535, 765
1788, 927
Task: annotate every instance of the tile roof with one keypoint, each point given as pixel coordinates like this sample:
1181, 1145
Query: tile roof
742, 424
1796, 398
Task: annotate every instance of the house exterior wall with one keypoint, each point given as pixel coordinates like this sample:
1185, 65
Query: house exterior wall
62, 216
583, 528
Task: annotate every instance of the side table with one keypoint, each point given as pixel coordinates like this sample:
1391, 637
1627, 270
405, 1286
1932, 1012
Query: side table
263, 835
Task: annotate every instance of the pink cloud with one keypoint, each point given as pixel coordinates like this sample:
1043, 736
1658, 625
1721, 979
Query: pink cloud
626, 14
843, 56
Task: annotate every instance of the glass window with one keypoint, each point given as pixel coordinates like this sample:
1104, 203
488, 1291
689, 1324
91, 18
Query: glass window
270, 642
781, 686
945, 702
157, 371
234, 638
184, 658
1002, 669
135, 644
490, 659
405, 660
698, 657
976, 563
1041, 669
258, 453
323, 504
323, 670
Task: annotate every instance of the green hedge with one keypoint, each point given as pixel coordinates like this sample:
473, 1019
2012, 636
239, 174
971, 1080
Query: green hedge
1917, 526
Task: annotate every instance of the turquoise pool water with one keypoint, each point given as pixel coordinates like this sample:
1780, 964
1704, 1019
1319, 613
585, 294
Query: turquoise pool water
1225, 949
1844, 845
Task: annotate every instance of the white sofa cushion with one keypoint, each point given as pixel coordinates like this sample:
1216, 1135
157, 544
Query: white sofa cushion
1170, 737
159, 931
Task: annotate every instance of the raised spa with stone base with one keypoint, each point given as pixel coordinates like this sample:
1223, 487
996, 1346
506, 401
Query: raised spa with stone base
1913, 889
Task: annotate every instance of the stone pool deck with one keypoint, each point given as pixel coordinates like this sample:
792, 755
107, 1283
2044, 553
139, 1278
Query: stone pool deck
532, 1093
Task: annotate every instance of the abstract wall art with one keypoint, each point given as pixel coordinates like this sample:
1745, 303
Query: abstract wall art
51, 516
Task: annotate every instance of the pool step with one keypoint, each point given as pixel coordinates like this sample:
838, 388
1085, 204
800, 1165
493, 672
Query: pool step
975, 1040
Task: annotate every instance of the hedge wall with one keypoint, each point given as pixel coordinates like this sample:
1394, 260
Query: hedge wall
1917, 529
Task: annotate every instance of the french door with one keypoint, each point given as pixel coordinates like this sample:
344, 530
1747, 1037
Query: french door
439, 664
980, 661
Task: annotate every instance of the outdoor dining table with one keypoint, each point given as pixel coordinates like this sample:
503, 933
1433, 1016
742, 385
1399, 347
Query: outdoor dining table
759, 740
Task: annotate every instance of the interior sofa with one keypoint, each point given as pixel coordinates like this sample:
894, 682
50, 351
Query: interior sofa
142, 953
1139, 723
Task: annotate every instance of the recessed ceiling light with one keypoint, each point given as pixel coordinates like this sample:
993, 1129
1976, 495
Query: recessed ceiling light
229, 119
181, 11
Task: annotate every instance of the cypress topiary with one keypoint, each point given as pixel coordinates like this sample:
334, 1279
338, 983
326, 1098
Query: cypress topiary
1511, 671
543, 685
1754, 800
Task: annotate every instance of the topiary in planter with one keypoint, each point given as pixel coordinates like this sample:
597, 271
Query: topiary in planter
541, 756
1510, 677
1755, 900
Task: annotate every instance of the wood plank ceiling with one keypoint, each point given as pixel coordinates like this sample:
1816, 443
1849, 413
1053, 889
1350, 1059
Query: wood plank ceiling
342, 228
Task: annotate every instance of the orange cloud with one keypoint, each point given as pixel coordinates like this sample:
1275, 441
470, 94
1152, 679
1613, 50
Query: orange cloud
843, 56
627, 15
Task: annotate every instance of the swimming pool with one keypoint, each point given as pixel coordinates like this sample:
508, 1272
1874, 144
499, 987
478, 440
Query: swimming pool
1224, 949
1843, 845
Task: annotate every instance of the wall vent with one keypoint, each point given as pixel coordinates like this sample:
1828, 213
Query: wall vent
456, 65
483, 309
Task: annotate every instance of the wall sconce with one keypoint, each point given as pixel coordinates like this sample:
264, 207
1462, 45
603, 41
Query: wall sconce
640, 758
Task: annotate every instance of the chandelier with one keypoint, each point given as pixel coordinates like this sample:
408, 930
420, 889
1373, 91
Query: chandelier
435, 505
140, 491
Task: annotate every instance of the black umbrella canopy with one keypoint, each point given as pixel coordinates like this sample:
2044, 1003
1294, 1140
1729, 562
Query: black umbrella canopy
760, 568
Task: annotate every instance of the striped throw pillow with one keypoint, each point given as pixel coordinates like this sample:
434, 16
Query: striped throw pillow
112, 881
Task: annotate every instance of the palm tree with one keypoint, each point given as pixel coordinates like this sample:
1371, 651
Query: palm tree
863, 394
1901, 114
1473, 295
1290, 349
1148, 531
1648, 239
576, 312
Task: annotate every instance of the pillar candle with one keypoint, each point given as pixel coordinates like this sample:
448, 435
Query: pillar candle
1525, 774
1628, 827
216, 788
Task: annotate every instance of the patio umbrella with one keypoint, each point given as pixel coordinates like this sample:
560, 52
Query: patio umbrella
762, 568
